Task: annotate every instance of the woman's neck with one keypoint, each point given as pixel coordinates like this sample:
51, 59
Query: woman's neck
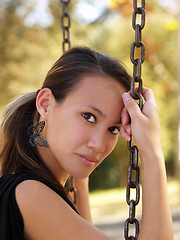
60, 174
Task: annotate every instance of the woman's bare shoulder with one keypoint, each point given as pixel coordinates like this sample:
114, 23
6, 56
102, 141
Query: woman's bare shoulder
47, 216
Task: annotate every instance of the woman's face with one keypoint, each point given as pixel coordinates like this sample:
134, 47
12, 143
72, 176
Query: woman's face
83, 129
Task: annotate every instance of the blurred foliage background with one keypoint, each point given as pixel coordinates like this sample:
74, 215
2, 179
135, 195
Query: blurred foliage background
31, 41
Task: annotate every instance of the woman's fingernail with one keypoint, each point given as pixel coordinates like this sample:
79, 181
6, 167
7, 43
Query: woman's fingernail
123, 121
128, 130
128, 138
126, 96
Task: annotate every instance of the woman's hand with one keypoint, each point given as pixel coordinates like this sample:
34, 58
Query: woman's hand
83, 206
145, 129
143, 126
81, 182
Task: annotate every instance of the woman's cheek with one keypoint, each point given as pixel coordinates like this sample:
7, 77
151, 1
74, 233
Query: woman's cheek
108, 151
79, 134
111, 145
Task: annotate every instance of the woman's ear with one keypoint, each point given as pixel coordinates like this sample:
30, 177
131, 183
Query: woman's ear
44, 100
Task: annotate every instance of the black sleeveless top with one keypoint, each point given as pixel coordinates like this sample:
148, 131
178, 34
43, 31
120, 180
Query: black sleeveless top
11, 221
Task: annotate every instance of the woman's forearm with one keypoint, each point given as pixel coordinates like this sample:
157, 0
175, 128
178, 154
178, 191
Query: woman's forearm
83, 206
145, 130
156, 217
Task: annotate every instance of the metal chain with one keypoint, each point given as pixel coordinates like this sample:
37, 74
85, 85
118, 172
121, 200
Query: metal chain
66, 45
133, 167
65, 24
72, 189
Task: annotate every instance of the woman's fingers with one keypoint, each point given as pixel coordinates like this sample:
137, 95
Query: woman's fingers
125, 132
131, 106
141, 125
128, 129
150, 108
125, 118
147, 93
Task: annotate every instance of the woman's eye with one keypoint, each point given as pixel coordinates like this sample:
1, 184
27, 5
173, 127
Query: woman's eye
114, 130
89, 117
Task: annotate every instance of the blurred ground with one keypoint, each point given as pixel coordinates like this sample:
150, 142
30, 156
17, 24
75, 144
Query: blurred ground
109, 210
113, 225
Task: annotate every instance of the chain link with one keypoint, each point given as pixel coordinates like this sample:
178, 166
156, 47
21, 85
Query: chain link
133, 169
72, 189
66, 45
65, 24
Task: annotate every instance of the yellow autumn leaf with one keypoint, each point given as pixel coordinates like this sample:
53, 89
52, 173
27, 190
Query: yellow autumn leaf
114, 3
171, 25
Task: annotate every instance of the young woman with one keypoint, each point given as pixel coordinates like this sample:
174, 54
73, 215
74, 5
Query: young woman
68, 128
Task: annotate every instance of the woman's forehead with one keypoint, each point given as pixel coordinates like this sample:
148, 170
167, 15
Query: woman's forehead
100, 83
99, 92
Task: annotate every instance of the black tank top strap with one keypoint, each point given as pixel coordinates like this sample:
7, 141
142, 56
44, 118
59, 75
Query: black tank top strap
11, 221
24, 176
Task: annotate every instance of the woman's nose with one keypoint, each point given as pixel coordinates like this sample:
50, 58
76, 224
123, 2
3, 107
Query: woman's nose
97, 142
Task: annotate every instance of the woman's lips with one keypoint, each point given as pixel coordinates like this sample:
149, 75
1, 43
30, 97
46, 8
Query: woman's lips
88, 160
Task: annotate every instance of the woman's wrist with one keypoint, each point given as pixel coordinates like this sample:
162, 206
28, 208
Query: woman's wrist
151, 153
153, 168
81, 183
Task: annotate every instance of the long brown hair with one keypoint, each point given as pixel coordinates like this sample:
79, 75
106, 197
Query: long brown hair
17, 155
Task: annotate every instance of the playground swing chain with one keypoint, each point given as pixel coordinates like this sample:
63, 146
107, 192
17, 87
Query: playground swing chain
133, 167
137, 95
65, 24
66, 45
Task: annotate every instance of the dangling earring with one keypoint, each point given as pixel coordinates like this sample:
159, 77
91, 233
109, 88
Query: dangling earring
35, 133
71, 188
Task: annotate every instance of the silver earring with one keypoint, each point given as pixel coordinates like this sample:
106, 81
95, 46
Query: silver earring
35, 133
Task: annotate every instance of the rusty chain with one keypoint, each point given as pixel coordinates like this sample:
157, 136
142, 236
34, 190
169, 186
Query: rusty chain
66, 45
65, 24
72, 189
133, 169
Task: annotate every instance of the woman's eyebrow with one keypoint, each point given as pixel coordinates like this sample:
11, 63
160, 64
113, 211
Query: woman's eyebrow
101, 113
119, 122
97, 110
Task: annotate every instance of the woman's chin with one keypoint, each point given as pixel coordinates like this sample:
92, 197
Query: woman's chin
80, 175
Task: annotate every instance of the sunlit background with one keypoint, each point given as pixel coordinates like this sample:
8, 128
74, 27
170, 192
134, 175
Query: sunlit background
31, 41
